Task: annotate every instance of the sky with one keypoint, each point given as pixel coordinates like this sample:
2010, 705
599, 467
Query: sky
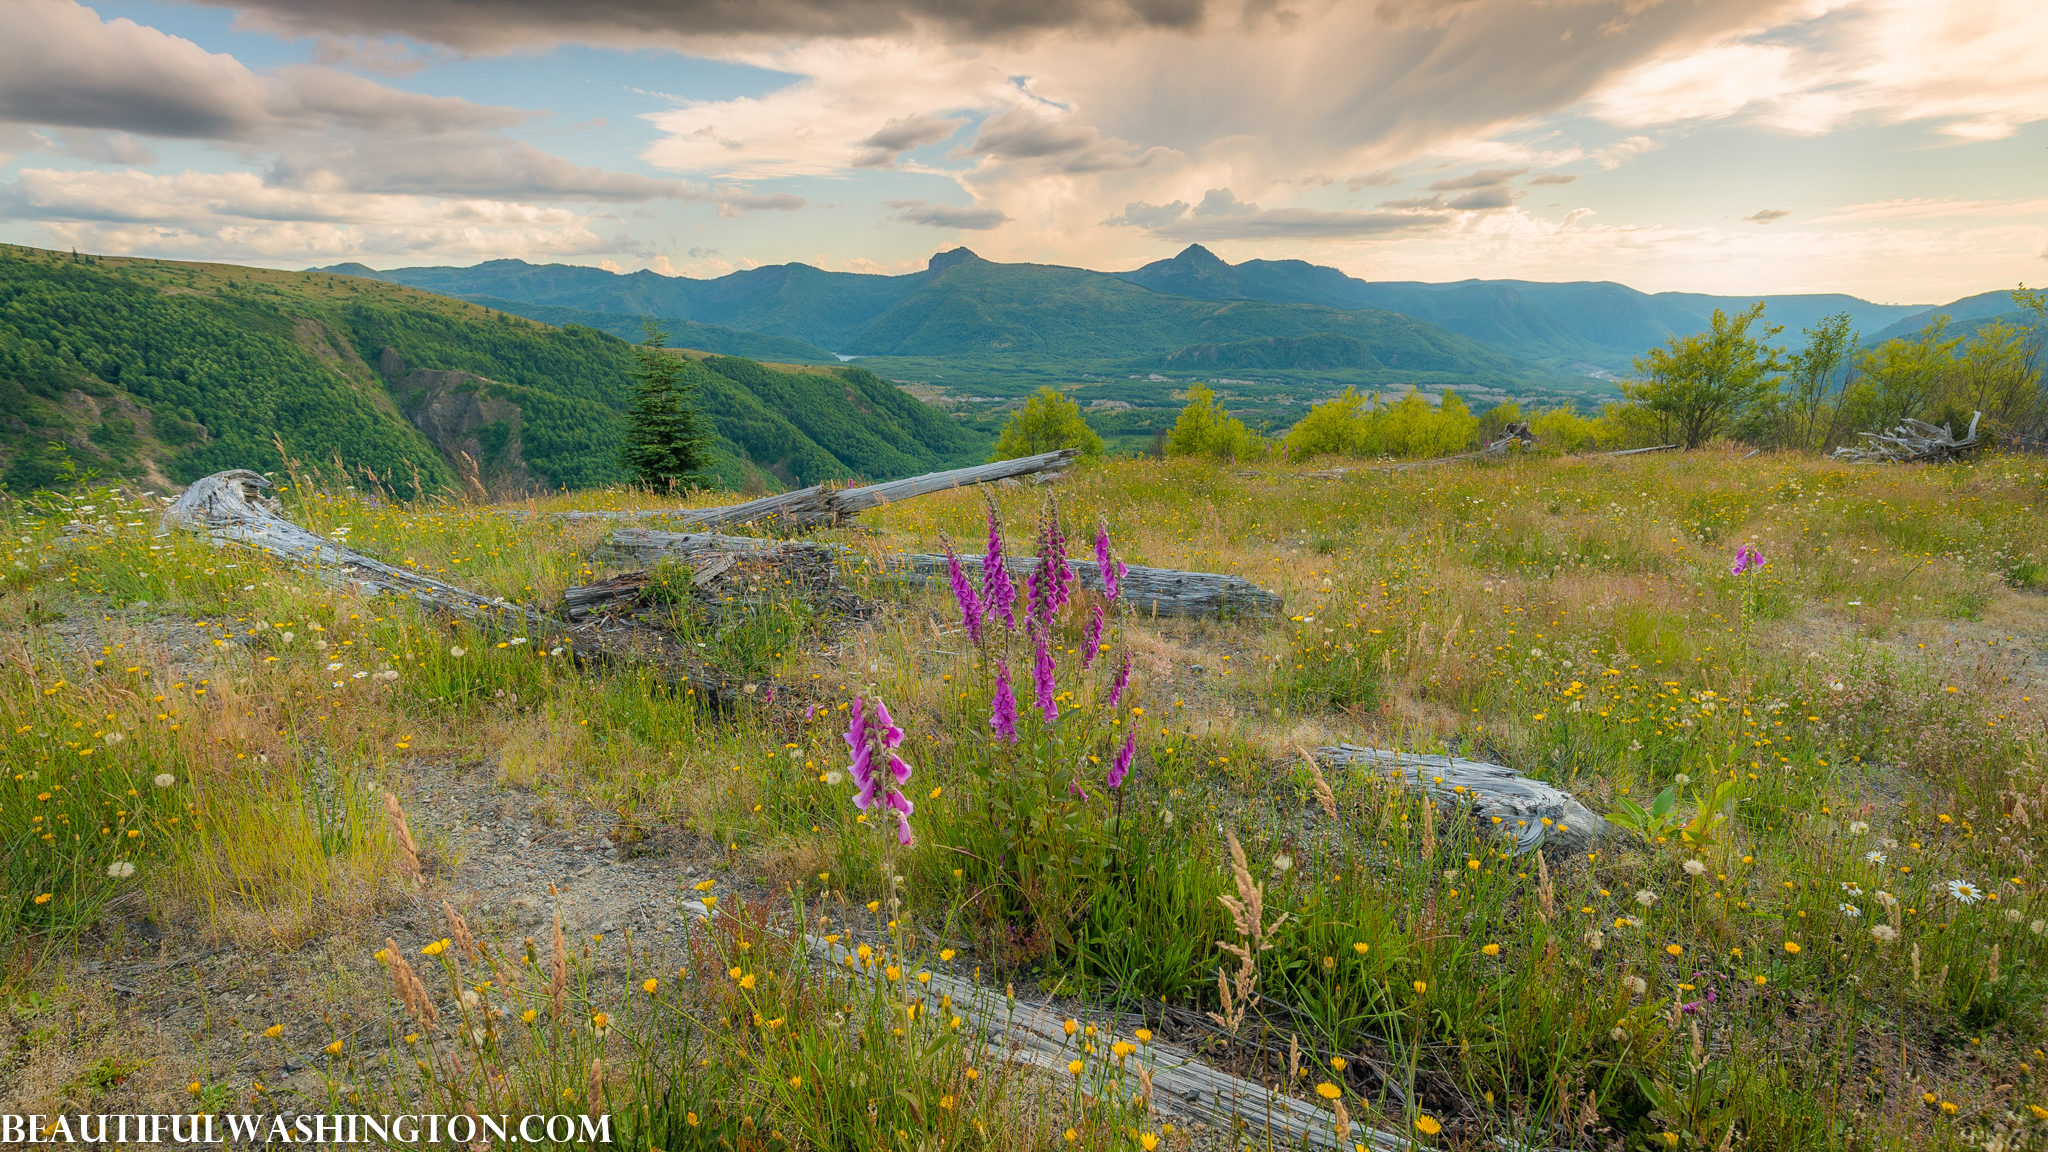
1890, 149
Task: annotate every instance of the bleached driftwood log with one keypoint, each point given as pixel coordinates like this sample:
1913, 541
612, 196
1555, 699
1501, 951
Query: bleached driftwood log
820, 506
1533, 812
1640, 451
230, 507
1149, 591
1183, 1085
1914, 441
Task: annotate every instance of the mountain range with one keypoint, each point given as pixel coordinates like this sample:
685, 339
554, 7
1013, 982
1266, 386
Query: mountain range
1176, 314
164, 371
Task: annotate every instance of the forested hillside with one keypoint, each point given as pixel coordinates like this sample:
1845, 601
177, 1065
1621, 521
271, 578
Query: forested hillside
163, 371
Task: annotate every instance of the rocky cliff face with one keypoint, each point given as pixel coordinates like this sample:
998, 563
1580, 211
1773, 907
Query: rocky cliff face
458, 412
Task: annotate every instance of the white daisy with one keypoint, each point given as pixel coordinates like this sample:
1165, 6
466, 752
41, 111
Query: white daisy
1964, 891
1874, 857
1849, 910
1851, 889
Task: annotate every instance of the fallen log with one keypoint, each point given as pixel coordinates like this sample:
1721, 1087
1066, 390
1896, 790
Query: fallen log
231, 508
1533, 812
1914, 441
1034, 1033
1150, 591
821, 506
1640, 451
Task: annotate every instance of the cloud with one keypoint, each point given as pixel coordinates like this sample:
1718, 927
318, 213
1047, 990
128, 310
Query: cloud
1222, 202
1485, 198
1767, 215
236, 215
100, 147
501, 25
1971, 71
1222, 216
1924, 208
1883, 262
1484, 178
900, 135
1384, 178
1551, 178
106, 85
948, 215
1138, 214
61, 66
1474, 201
1057, 143
374, 54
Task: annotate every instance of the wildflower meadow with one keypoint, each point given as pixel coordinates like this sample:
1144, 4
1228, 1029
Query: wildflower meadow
245, 866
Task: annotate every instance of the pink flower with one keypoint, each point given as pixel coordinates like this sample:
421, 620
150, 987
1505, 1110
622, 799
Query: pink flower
1091, 638
998, 595
1121, 766
1112, 571
1042, 679
869, 738
1123, 681
970, 605
1747, 558
1003, 712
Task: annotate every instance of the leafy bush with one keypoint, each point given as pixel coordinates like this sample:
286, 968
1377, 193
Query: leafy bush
1049, 420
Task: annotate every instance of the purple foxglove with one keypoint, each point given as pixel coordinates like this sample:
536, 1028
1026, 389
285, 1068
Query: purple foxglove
1042, 679
963, 592
998, 595
1112, 571
1123, 681
1003, 715
1121, 766
878, 735
1091, 638
1064, 576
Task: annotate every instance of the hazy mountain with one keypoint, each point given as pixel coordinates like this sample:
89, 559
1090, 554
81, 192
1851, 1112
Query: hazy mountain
963, 307
1597, 322
1964, 315
711, 338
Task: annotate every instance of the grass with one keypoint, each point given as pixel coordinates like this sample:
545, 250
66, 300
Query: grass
199, 736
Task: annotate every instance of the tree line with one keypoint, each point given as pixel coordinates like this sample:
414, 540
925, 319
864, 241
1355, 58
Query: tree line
1736, 380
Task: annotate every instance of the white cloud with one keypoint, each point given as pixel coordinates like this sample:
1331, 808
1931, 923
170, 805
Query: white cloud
1887, 264
237, 215
1222, 216
1923, 208
948, 215
1972, 70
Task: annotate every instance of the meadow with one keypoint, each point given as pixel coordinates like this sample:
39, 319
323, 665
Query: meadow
232, 791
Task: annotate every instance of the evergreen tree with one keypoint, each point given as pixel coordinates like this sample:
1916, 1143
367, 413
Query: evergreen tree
666, 444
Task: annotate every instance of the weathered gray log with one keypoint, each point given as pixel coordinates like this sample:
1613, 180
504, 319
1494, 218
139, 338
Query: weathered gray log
229, 507
1533, 812
1914, 441
1034, 1033
820, 506
1640, 451
1149, 591
719, 577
